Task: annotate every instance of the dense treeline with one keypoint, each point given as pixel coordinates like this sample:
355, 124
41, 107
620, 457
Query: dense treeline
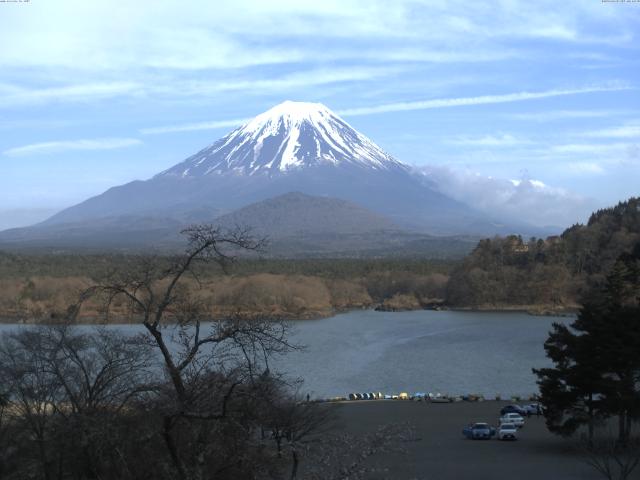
41, 287
550, 273
15, 265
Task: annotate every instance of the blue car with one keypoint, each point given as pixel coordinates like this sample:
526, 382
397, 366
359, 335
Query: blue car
479, 431
513, 409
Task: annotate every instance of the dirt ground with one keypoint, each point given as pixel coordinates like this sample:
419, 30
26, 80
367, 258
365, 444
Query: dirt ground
441, 452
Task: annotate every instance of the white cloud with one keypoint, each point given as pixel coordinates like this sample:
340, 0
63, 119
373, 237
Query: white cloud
585, 167
535, 183
71, 145
490, 141
590, 158
439, 55
514, 200
187, 127
106, 35
624, 131
285, 83
608, 149
502, 140
466, 101
552, 115
11, 95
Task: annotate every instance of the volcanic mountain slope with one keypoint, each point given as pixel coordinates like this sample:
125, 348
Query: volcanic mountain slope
295, 146
298, 215
295, 225
299, 225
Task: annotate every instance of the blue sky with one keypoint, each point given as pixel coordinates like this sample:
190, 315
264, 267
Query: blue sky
481, 95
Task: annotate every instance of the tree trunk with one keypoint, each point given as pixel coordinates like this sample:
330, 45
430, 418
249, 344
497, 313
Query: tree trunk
294, 466
623, 434
173, 450
591, 420
43, 458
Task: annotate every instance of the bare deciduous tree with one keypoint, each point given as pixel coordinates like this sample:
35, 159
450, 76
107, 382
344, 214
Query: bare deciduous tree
612, 459
190, 397
211, 367
65, 388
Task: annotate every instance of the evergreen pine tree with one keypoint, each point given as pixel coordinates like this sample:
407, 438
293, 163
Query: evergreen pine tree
596, 371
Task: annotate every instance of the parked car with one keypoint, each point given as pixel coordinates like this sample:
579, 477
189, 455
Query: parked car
507, 431
513, 409
532, 408
479, 431
514, 418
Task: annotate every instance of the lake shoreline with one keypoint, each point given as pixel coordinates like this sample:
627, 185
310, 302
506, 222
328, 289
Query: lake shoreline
532, 310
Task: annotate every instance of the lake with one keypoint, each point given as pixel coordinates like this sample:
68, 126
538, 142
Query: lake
419, 351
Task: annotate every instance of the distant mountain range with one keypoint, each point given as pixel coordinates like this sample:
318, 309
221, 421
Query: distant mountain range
294, 147
295, 225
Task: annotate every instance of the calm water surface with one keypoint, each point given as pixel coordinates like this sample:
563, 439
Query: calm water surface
420, 351
427, 351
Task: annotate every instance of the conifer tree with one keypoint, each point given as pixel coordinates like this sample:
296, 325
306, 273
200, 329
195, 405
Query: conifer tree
596, 372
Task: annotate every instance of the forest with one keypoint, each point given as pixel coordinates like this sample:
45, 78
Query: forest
537, 275
551, 273
40, 288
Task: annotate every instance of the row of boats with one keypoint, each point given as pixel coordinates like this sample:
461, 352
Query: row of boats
418, 396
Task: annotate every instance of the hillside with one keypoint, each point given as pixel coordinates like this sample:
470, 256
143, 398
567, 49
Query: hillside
304, 226
296, 214
547, 274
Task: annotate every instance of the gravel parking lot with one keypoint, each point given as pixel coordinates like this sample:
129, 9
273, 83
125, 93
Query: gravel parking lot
442, 452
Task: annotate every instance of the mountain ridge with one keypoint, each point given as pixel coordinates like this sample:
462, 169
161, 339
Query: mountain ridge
299, 214
293, 147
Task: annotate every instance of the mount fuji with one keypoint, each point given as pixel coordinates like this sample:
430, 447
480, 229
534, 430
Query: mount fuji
293, 147
290, 136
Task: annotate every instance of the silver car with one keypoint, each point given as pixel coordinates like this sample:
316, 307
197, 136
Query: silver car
507, 431
514, 418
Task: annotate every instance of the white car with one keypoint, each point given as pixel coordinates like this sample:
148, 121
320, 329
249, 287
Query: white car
507, 431
514, 418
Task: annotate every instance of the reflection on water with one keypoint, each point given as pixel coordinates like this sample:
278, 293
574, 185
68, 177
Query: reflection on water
448, 352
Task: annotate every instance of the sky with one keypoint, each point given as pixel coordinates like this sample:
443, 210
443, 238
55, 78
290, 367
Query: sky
531, 109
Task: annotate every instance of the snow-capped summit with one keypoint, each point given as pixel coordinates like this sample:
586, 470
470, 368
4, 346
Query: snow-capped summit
287, 137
